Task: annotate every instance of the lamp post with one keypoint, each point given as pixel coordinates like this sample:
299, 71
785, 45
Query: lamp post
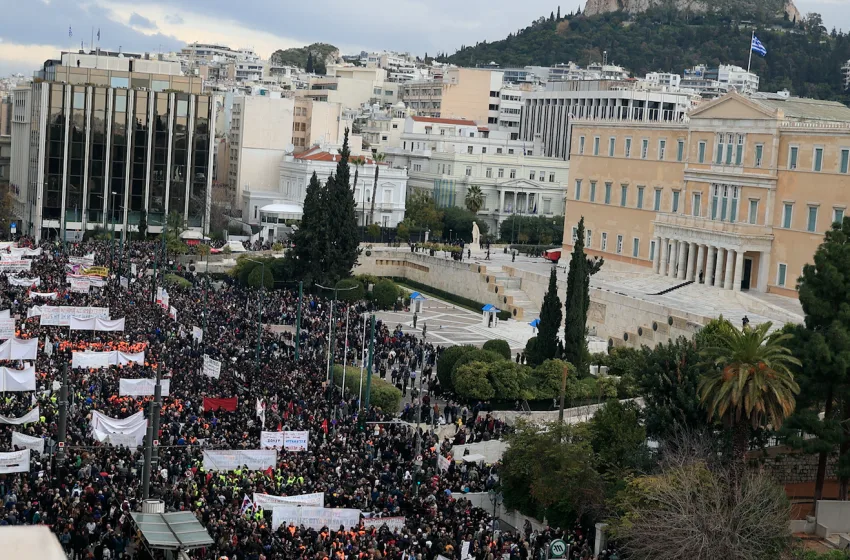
332, 339
112, 230
260, 309
496, 500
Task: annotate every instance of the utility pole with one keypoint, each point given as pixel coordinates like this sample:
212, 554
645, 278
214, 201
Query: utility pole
563, 391
260, 313
418, 421
298, 321
152, 454
63, 414
369, 368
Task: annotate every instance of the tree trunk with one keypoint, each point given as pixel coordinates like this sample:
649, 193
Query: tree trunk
844, 448
374, 194
823, 456
740, 446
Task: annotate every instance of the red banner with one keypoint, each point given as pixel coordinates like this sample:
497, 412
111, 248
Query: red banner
223, 404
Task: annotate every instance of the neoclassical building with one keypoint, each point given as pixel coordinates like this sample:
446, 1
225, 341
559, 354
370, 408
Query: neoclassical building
736, 196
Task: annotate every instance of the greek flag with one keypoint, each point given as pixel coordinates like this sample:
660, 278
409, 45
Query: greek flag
758, 47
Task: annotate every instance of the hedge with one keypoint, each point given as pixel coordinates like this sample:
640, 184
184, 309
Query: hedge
462, 301
446, 364
498, 346
173, 279
384, 395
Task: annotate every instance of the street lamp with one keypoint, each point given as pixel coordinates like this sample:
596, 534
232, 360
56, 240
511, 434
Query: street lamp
260, 308
332, 340
495, 499
112, 231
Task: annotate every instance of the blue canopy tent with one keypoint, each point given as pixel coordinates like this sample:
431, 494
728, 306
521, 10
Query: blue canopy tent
490, 315
535, 324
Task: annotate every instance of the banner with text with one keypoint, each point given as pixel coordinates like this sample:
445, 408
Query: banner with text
271, 440
212, 368
15, 266
142, 387
315, 517
296, 441
28, 442
15, 461
267, 501
25, 282
7, 329
392, 523
253, 459
55, 316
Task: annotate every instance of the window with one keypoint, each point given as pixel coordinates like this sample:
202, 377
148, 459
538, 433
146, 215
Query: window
483, 150
640, 198
812, 223
511, 151
468, 171
501, 173
575, 234
701, 156
531, 175
652, 250
581, 145
417, 167
607, 193
611, 143
845, 161
542, 175
588, 238
255, 212
628, 150
780, 274
469, 149
635, 247
551, 177
578, 189
837, 215
680, 150
547, 205
759, 154
754, 212
818, 163
662, 147
729, 138
619, 244
604, 241
498, 150
674, 207
724, 202
739, 150
787, 210
489, 173
513, 173
657, 206
596, 146
624, 194
696, 206
792, 157
593, 191
644, 149
718, 153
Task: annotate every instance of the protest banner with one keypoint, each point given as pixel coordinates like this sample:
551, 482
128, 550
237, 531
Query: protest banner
315, 517
17, 380
28, 442
392, 523
96, 324
105, 359
25, 282
60, 316
198, 334
133, 427
212, 368
31, 416
142, 387
296, 441
19, 349
7, 329
267, 501
271, 440
79, 285
125, 282
15, 266
229, 460
15, 461
102, 271
224, 404
443, 463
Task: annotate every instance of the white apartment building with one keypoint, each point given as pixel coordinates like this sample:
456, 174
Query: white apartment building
382, 130
448, 156
663, 79
711, 82
21, 131
845, 73
352, 87
112, 60
510, 111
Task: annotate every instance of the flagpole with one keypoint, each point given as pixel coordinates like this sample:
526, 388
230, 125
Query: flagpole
750, 63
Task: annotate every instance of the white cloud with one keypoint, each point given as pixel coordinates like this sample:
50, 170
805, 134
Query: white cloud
24, 58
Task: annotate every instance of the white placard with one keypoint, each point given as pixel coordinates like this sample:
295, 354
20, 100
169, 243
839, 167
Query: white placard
172, 312
125, 283
7, 329
443, 463
6, 314
43, 295
271, 440
25, 282
296, 441
19, 349
198, 334
15, 461
15, 266
212, 368
31, 416
29, 442
104, 359
267, 501
315, 517
79, 285
392, 523
96, 324
254, 459
130, 430
17, 380
142, 387
55, 316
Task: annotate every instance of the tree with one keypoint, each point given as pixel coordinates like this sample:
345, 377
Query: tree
470, 381
446, 364
575, 341
619, 439
374, 231
550, 323
750, 383
474, 199
346, 292
142, 228
309, 66
402, 232
459, 221
420, 211
826, 348
498, 346
175, 226
310, 239
559, 13
261, 276
385, 293
342, 241
379, 159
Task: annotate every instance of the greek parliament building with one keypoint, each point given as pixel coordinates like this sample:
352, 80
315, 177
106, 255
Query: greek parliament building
737, 196
96, 147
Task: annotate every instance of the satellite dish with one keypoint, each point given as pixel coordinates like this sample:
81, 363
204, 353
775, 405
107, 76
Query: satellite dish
290, 148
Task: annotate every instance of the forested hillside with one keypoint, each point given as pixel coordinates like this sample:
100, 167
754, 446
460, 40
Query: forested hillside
803, 57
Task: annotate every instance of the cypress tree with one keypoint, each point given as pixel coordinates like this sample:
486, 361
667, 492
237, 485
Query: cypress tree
342, 240
310, 238
559, 13
309, 66
575, 343
550, 321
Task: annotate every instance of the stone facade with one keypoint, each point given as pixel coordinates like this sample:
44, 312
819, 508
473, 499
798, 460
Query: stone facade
792, 467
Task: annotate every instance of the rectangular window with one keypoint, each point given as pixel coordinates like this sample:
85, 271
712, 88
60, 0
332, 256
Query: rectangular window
818, 166
812, 223
644, 149
728, 149
501, 173
607, 193
498, 150
581, 145
680, 150
575, 235
596, 146
675, 206
845, 161
611, 143
787, 210
578, 189
837, 215
469, 149
489, 173
531, 175
780, 274
588, 238
619, 244
604, 241
551, 177
628, 150
759, 154
701, 154
754, 211
624, 194
662, 147
792, 157
635, 247
593, 191
739, 150
640, 198
697, 205
468, 171
657, 205
513, 173
718, 153
652, 250
483, 150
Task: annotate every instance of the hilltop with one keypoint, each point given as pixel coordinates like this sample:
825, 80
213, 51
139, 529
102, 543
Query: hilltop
323, 54
761, 9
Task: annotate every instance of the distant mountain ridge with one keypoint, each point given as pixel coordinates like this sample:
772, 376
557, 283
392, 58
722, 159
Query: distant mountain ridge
777, 7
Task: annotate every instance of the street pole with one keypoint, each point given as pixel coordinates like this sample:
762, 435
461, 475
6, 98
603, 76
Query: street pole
152, 433
63, 413
419, 420
298, 321
330, 334
369, 368
345, 351
260, 312
563, 391
206, 289
362, 362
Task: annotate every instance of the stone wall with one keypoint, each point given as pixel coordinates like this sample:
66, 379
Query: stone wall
788, 466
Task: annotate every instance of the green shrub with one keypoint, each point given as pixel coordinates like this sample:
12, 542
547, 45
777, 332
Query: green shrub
509, 380
384, 395
174, 280
546, 378
531, 349
350, 295
446, 364
476, 355
277, 247
503, 315
471, 381
446, 296
385, 293
261, 276
499, 347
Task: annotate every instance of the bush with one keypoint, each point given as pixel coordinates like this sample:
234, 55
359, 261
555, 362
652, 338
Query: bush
531, 349
499, 347
402, 232
384, 395
509, 380
503, 315
261, 276
446, 363
470, 381
277, 247
350, 295
546, 378
385, 293
174, 280
476, 355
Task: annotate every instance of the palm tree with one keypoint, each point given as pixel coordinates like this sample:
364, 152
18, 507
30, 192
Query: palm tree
357, 162
750, 384
379, 158
474, 199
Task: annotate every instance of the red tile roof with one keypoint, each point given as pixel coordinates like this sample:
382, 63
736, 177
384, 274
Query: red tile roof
461, 122
317, 155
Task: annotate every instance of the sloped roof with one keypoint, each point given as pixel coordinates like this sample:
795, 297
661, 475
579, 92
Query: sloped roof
317, 154
806, 109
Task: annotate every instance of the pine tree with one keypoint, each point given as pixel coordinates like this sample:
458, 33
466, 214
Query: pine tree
575, 342
310, 237
559, 13
342, 241
550, 321
309, 67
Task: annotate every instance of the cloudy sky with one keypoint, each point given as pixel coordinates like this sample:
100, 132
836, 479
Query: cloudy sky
34, 30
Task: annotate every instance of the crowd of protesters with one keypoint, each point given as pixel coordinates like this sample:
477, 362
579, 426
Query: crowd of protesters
363, 459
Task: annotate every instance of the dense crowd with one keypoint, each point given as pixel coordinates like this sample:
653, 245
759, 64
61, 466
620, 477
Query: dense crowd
362, 459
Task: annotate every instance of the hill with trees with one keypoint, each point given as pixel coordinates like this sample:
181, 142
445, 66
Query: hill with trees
319, 54
803, 56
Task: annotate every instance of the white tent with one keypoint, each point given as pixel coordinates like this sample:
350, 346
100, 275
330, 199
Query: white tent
236, 247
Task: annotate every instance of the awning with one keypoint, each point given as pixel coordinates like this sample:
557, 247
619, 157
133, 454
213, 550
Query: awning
283, 208
172, 531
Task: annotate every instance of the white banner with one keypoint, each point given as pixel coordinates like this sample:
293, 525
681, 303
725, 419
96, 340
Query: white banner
28, 442
124, 282
198, 334
133, 427
141, 387
267, 501
79, 285
172, 312
15, 461
296, 441
96, 324
17, 380
6, 314
7, 329
119, 440
13, 253
43, 295
31, 416
81, 279
271, 440
105, 359
392, 523
25, 282
19, 349
15, 266
212, 368
443, 463
254, 459
315, 517
162, 297
86, 261
61, 316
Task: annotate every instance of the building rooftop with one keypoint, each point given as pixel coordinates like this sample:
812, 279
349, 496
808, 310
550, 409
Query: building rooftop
435, 120
316, 153
804, 109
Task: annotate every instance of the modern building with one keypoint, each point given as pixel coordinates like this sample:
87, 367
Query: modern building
425, 97
317, 122
108, 146
446, 157
726, 76
352, 87
548, 115
471, 93
101, 59
383, 129
736, 197
845, 75
663, 79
